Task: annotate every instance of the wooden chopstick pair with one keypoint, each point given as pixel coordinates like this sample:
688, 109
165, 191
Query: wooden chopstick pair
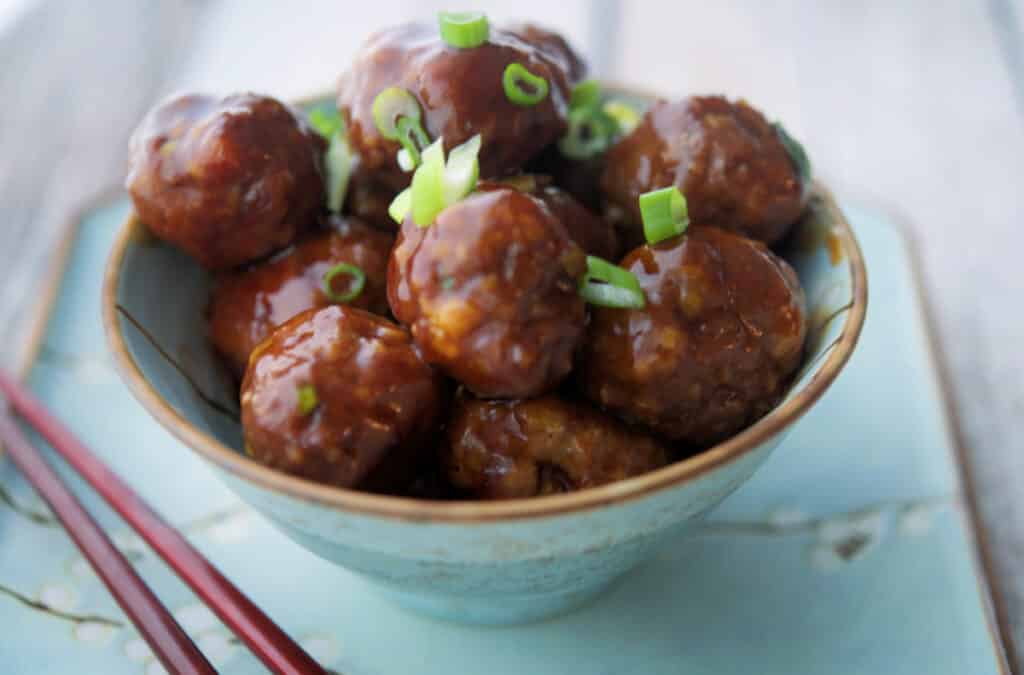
166, 638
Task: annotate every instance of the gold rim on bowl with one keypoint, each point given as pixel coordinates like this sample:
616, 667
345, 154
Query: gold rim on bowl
420, 510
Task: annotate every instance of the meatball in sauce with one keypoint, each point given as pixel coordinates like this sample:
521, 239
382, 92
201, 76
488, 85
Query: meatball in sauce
226, 181
247, 305
460, 94
547, 445
731, 164
489, 291
713, 349
340, 396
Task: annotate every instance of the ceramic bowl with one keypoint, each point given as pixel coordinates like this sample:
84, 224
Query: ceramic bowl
473, 562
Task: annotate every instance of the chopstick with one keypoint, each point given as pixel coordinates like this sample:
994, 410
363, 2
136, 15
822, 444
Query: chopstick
264, 638
166, 638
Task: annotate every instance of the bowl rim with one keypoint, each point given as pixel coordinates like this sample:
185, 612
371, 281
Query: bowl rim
421, 510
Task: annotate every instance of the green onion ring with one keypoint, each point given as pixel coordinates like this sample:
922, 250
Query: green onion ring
308, 400
390, 106
513, 79
664, 213
609, 285
626, 117
355, 287
326, 121
464, 30
590, 133
586, 94
412, 137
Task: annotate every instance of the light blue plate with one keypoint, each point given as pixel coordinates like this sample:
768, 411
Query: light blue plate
848, 552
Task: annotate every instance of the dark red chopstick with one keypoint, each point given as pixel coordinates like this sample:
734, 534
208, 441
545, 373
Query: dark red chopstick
168, 641
264, 638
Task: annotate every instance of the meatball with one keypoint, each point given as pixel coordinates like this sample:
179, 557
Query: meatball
490, 293
460, 93
340, 396
579, 177
247, 305
554, 46
725, 157
226, 181
592, 233
713, 349
512, 449
369, 198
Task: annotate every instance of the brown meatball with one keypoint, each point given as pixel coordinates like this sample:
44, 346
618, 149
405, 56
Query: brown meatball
247, 305
713, 349
226, 181
370, 401
369, 198
490, 293
592, 233
725, 157
460, 92
513, 449
556, 47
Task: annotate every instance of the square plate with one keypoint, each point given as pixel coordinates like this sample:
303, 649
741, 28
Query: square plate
849, 552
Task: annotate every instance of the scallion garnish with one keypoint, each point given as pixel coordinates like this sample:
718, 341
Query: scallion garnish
586, 94
464, 29
401, 205
428, 185
515, 77
326, 122
609, 285
625, 116
462, 170
308, 400
397, 114
337, 170
355, 286
590, 133
796, 152
664, 214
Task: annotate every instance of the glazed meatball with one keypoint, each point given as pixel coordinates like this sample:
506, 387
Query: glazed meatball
339, 396
490, 293
554, 46
460, 93
369, 198
247, 305
592, 233
713, 349
725, 157
226, 181
512, 449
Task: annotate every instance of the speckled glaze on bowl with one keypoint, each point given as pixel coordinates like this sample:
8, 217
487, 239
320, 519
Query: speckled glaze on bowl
473, 562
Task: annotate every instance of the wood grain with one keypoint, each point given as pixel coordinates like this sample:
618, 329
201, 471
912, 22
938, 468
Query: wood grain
917, 106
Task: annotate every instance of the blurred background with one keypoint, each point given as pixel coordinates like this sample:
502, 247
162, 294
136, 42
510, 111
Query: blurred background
914, 108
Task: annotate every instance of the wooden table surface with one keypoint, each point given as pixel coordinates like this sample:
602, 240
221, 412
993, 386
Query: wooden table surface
916, 107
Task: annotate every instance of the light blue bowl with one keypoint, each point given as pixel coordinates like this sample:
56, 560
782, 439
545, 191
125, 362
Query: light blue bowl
473, 562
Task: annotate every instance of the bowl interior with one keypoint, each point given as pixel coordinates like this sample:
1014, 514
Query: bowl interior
155, 309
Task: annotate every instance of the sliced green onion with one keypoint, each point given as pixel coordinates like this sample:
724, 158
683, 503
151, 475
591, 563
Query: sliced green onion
796, 152
390, 106
405, 161
515, 76
464, 29
413, 138
308, 400
625, 116
664, 214
462, 170
428, 185
401, 205
590, 133
355, 287
337, 170
326, 122
609, 285
586, 94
